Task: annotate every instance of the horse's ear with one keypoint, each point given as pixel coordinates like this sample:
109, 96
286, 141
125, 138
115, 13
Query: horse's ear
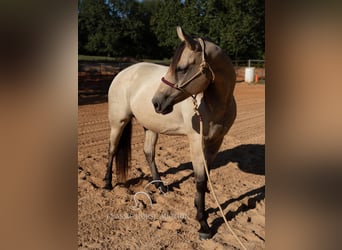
189, 41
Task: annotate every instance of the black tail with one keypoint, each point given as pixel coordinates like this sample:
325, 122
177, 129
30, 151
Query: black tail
123, 154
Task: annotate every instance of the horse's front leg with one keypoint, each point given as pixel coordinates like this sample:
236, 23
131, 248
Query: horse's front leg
149, 151
202, 216
201, 187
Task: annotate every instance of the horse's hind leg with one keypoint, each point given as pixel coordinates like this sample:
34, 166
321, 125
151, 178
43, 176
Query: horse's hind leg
113, 142
116, 131
149, 151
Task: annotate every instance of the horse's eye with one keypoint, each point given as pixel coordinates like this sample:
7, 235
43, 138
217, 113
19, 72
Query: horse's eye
181, 69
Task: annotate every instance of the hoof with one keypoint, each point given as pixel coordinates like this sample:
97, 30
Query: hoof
204, 236
108, 186
163, 189
159, 185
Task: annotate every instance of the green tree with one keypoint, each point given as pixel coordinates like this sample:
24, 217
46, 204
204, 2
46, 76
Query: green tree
134, 27
236, 25
147, 28
164, 22
97, 34
243, 29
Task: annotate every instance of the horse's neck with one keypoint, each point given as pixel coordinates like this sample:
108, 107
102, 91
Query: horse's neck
216, 100
219, 94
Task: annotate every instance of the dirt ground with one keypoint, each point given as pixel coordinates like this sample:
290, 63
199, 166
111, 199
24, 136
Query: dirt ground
113, 219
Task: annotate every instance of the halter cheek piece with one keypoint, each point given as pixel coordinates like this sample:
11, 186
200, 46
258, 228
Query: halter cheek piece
202, 68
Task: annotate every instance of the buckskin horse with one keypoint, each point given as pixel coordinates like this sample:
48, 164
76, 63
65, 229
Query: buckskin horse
162, 99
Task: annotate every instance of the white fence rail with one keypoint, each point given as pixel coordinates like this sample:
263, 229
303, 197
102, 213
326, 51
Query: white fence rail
249, 63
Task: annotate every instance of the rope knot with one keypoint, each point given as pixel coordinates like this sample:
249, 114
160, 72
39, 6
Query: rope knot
203, 66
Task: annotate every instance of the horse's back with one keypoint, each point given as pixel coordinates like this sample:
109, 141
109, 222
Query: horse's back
135, 75
132, 78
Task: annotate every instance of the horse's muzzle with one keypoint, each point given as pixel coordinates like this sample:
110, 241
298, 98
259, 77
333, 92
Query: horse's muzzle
162, 106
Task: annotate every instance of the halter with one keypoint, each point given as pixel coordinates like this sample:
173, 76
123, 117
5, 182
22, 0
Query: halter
202, 68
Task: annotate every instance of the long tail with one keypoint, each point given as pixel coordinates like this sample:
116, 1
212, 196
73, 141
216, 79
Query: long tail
123, 154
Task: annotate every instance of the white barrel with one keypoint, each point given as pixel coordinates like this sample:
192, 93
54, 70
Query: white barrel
249, 74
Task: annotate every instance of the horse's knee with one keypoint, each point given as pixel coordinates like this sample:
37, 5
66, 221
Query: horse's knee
149, 146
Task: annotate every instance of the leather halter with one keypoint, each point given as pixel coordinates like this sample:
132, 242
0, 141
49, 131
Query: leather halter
202, 68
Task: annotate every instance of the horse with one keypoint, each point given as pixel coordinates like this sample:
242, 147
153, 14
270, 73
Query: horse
162, 100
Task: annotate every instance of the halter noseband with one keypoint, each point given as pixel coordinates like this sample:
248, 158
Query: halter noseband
203, 66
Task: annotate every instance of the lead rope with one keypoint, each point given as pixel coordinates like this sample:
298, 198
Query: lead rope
204, 63
208, 176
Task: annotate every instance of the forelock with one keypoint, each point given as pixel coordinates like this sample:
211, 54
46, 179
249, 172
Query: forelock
177, 55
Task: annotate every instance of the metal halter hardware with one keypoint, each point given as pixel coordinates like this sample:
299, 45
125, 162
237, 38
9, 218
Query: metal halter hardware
203, 66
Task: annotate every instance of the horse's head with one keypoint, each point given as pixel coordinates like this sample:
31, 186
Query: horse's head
188, 74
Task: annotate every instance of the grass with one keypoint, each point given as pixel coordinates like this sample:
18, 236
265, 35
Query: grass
165, 61
84, 58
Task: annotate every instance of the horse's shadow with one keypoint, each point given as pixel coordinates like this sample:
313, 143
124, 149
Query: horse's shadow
255, 195
250, 158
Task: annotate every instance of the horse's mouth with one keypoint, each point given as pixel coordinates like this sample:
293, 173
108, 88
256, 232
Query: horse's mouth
167, 110
164, 107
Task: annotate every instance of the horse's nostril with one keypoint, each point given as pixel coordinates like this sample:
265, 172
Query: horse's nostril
156, 105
